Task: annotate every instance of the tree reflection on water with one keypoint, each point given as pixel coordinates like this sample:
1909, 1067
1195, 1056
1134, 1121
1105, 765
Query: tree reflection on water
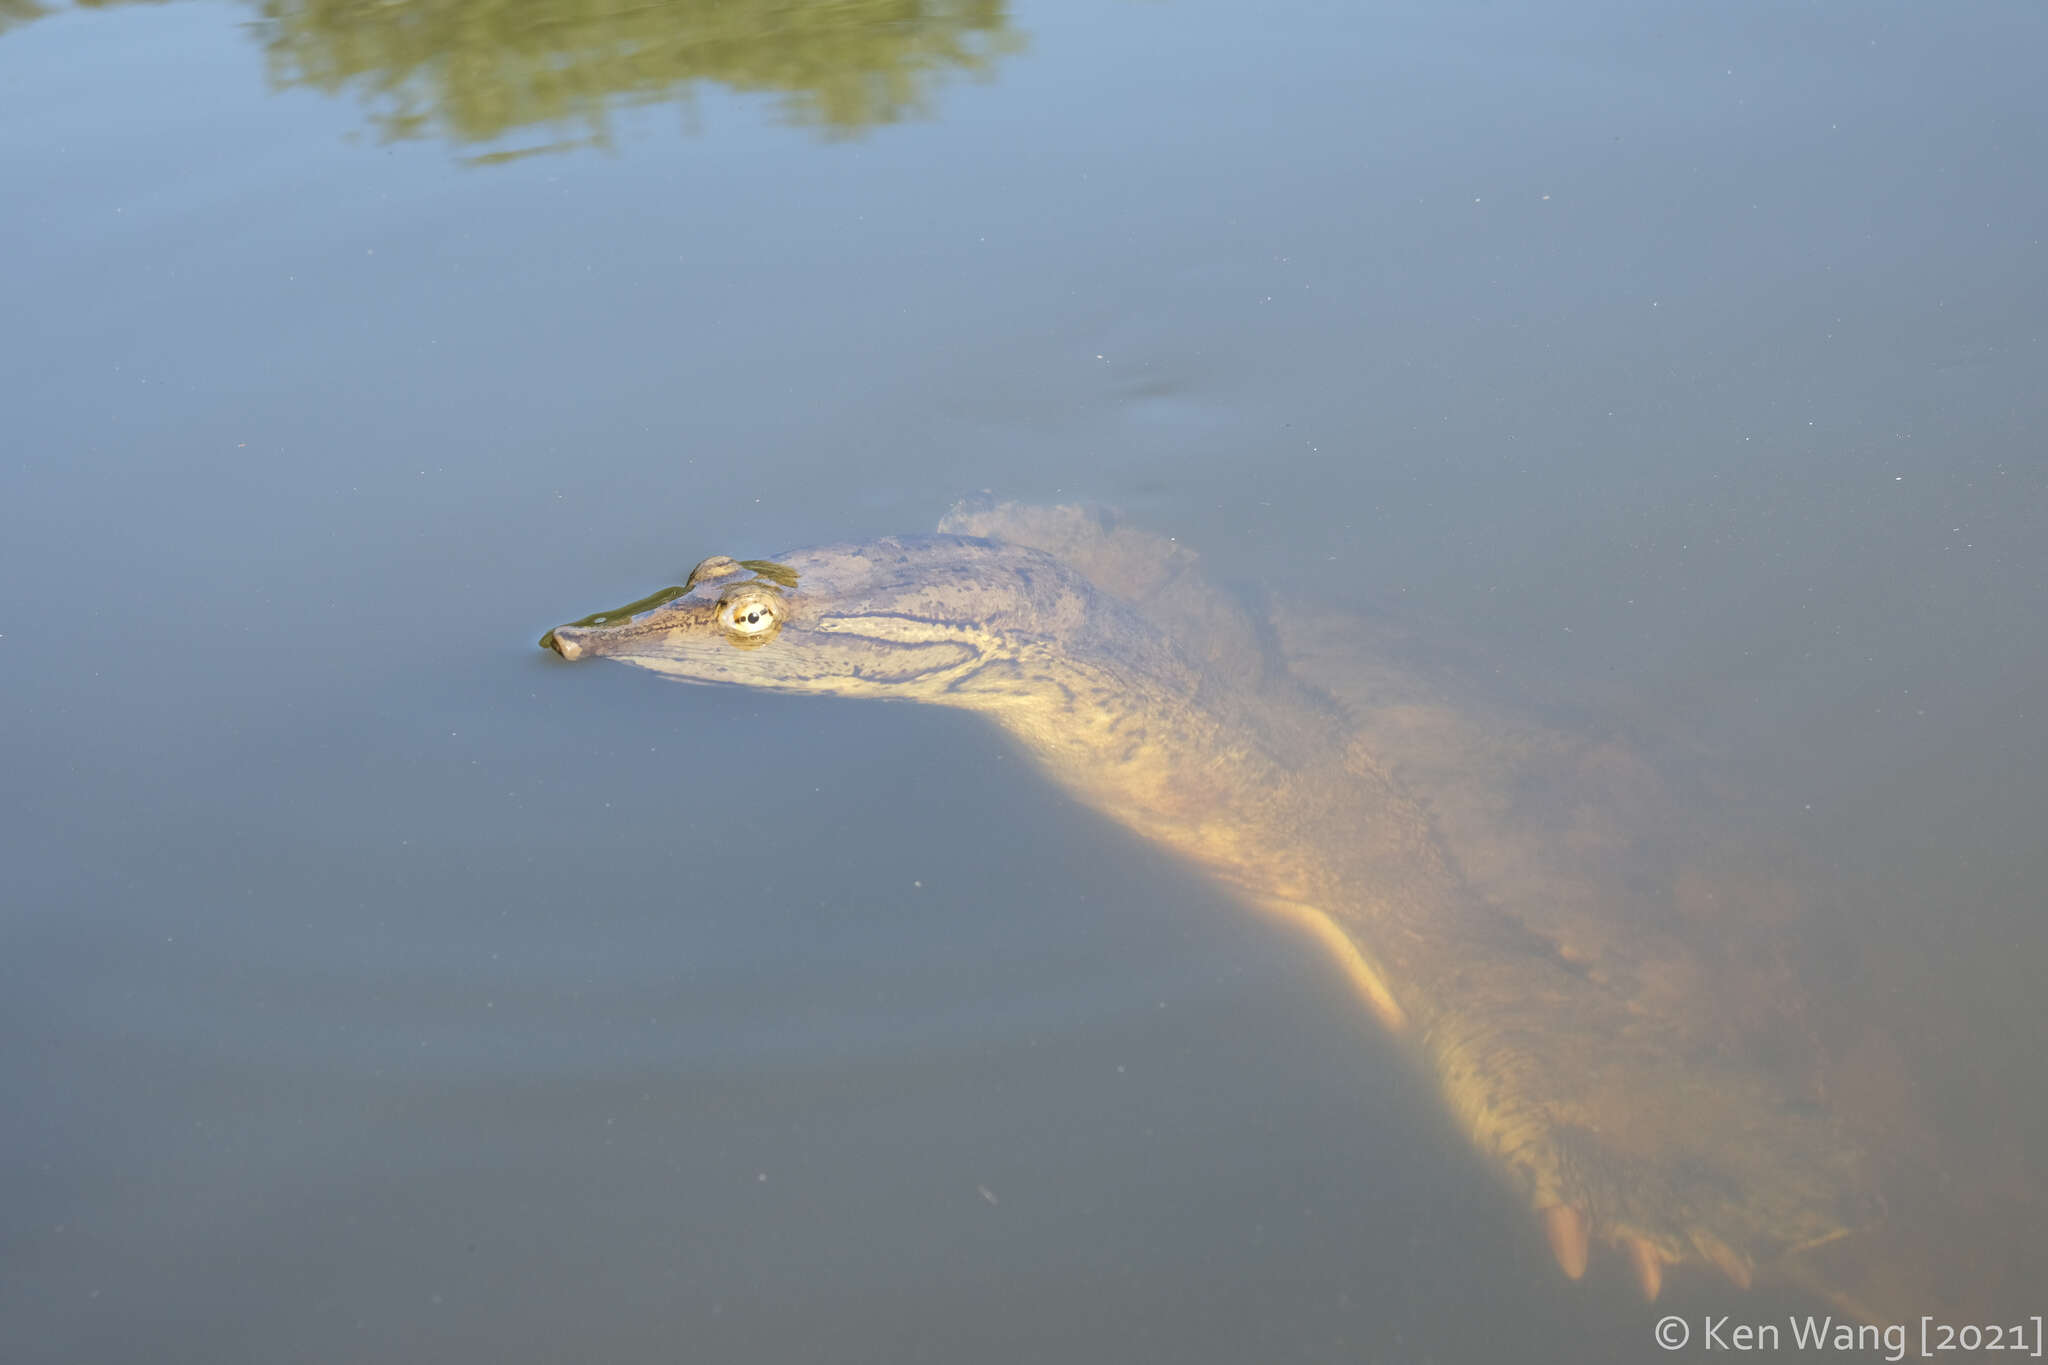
474, 72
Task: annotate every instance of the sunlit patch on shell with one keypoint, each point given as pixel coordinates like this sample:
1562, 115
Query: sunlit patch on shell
1365, 974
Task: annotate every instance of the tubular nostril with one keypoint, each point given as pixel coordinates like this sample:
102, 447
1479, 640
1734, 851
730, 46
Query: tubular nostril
564, 642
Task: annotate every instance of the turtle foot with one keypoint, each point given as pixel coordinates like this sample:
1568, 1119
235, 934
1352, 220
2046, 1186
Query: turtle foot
1735, 1214
1639, 1155
1570, 1241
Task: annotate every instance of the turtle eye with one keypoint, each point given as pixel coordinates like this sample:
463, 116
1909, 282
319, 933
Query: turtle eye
748, 615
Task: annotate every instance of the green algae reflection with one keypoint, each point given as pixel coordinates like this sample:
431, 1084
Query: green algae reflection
550, 75
482, 71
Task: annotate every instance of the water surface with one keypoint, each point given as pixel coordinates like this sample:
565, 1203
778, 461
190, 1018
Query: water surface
378, 989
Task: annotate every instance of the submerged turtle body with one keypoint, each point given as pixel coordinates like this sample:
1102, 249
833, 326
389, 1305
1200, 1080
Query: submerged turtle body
1624, 1074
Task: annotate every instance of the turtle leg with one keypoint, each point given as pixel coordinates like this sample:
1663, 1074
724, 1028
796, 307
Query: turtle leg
1684, 1162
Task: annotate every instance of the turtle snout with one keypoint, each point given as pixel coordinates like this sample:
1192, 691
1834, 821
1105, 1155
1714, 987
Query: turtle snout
566, 641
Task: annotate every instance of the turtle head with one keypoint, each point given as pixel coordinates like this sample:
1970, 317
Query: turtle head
914, 618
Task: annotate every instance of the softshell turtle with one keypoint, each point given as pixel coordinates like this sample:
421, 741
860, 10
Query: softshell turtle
1636, 1081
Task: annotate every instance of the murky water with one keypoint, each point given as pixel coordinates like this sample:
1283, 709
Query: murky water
376, 988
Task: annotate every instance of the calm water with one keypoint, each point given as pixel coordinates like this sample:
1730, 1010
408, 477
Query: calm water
376, 989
